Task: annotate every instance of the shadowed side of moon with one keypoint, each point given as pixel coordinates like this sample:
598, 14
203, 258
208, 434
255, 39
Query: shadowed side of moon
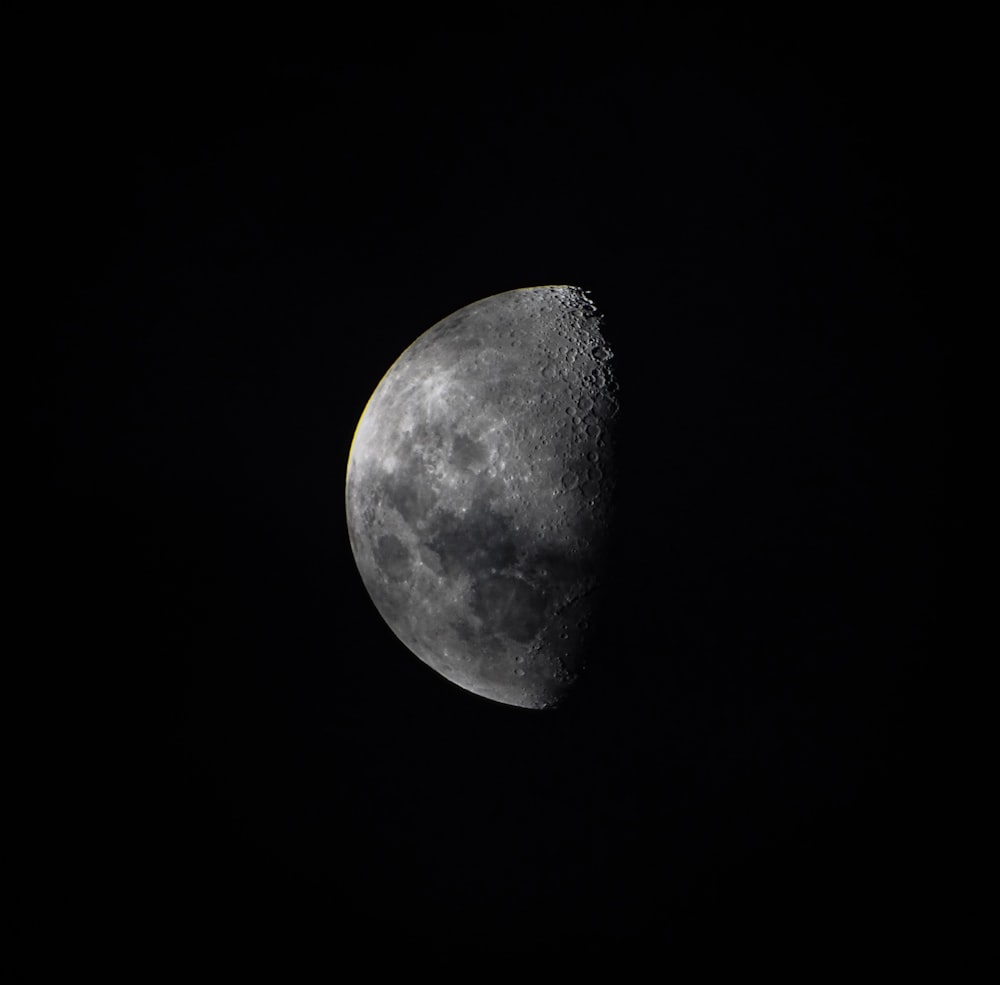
480, 490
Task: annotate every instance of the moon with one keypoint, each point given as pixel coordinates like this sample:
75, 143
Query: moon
480, 492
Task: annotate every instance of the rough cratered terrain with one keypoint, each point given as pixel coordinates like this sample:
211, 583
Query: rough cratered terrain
479, 492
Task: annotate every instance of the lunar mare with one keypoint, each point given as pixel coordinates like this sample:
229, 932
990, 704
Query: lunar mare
480, 488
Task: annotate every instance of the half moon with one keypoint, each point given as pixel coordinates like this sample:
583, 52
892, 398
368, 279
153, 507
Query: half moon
480, 489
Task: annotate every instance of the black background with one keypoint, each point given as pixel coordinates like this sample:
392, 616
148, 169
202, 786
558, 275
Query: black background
243, 241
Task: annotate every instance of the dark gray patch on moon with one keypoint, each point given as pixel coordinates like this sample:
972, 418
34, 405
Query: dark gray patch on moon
507, 605
479, 541
479, 492
392, 557
466, 452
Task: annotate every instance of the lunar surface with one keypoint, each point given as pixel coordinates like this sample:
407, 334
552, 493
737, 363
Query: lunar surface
480, 492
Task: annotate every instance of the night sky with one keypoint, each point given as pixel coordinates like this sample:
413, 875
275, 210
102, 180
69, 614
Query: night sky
244, 240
